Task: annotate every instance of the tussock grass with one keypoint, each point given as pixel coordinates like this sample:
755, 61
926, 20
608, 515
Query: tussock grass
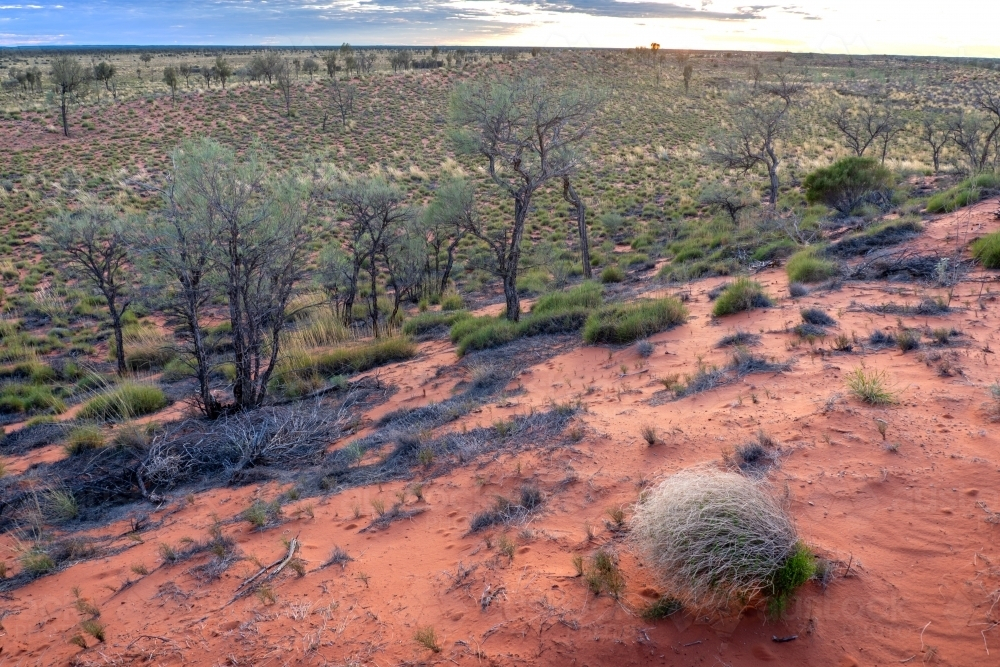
870, 386
29, 399
987, 250
719, 541
146, 349
82, 439
124, 401
425, 322
628, 322
299, 370
807, 266
744, 294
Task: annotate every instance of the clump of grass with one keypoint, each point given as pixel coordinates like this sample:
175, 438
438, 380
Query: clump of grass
146, 349
739, 339
82, 439
797, 569
744, 294
94, 628
987, 250
603, 575
627, 322
807, 266
124, 401
718, 541
907, 340
424, 322
648, 432
817, 317
261, 514
870, 386
29, 399
36, 562
427, 638
796, 290
612, 274
586, 295
662, 608
506, 510
644, 349
452, 301
300, 366
59, 505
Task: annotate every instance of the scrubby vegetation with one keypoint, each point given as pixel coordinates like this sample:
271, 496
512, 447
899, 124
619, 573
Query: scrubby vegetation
719, 541
743, 294
124, 401
809, 266
626, 323
987, 250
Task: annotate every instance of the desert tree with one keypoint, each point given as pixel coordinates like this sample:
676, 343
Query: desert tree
375, 210
758, 120
330, 60
69, 76
730, 200
297, 64
172, 79
94, 241
404, 256
185, 71
223, 70
208, 74
446, 221
934, 132
104, 71
526, 130
343, 99
233, 229
874, 123
283, 79
310, 67
145, 58
337, 275
972, 133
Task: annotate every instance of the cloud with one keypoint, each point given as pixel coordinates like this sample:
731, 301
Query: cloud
658, 10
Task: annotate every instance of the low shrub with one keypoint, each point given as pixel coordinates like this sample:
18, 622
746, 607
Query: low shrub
965, 193
848, 183
806, 266
987, 250
817, 317
124, 401
612, 274
428, 321
719, 541
82, 439
623, 323
452, 301
743, 294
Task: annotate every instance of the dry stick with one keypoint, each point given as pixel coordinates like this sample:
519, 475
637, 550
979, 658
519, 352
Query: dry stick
243, 588
922, 637
162, 639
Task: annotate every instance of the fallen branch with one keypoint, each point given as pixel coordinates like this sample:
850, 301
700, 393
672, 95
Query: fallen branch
244, 588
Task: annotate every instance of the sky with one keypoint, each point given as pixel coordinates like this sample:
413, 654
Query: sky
958, 28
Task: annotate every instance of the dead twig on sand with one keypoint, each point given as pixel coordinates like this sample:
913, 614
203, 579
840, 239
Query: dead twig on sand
278, 565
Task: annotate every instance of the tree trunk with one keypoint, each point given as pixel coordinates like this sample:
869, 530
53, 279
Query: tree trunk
510, 296
510, 264
65, 122
116, 325
373, 298
569, 194
446, 275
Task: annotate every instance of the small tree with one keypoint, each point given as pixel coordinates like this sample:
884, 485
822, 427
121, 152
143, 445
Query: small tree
526, 131
446, 221
310, 67
172, 79
343, 99
848, 183
185, 71
330, 60
223, 70
576, 201
688, 73
69, 76
758, 121
297, 64
94, 241
207, 73
934, 132
283, 77
729, 200
376, 211
104, 71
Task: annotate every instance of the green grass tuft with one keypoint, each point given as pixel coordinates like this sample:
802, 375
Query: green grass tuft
124, 401
806, 266
987, 250
623, 323
743, 294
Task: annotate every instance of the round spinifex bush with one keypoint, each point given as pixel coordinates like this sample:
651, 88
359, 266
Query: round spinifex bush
720, 542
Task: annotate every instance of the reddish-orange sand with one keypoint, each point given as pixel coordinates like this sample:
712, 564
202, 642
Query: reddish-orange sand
917, 578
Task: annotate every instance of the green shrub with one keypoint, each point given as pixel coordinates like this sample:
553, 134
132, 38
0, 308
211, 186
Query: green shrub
612, 274
847, 183
628, 322
29, 399
124, 401
797, 569
427, 321
585, 295
452, 301
82, 439
987, 250
743, 294
965, 193
870, 387
806, 266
